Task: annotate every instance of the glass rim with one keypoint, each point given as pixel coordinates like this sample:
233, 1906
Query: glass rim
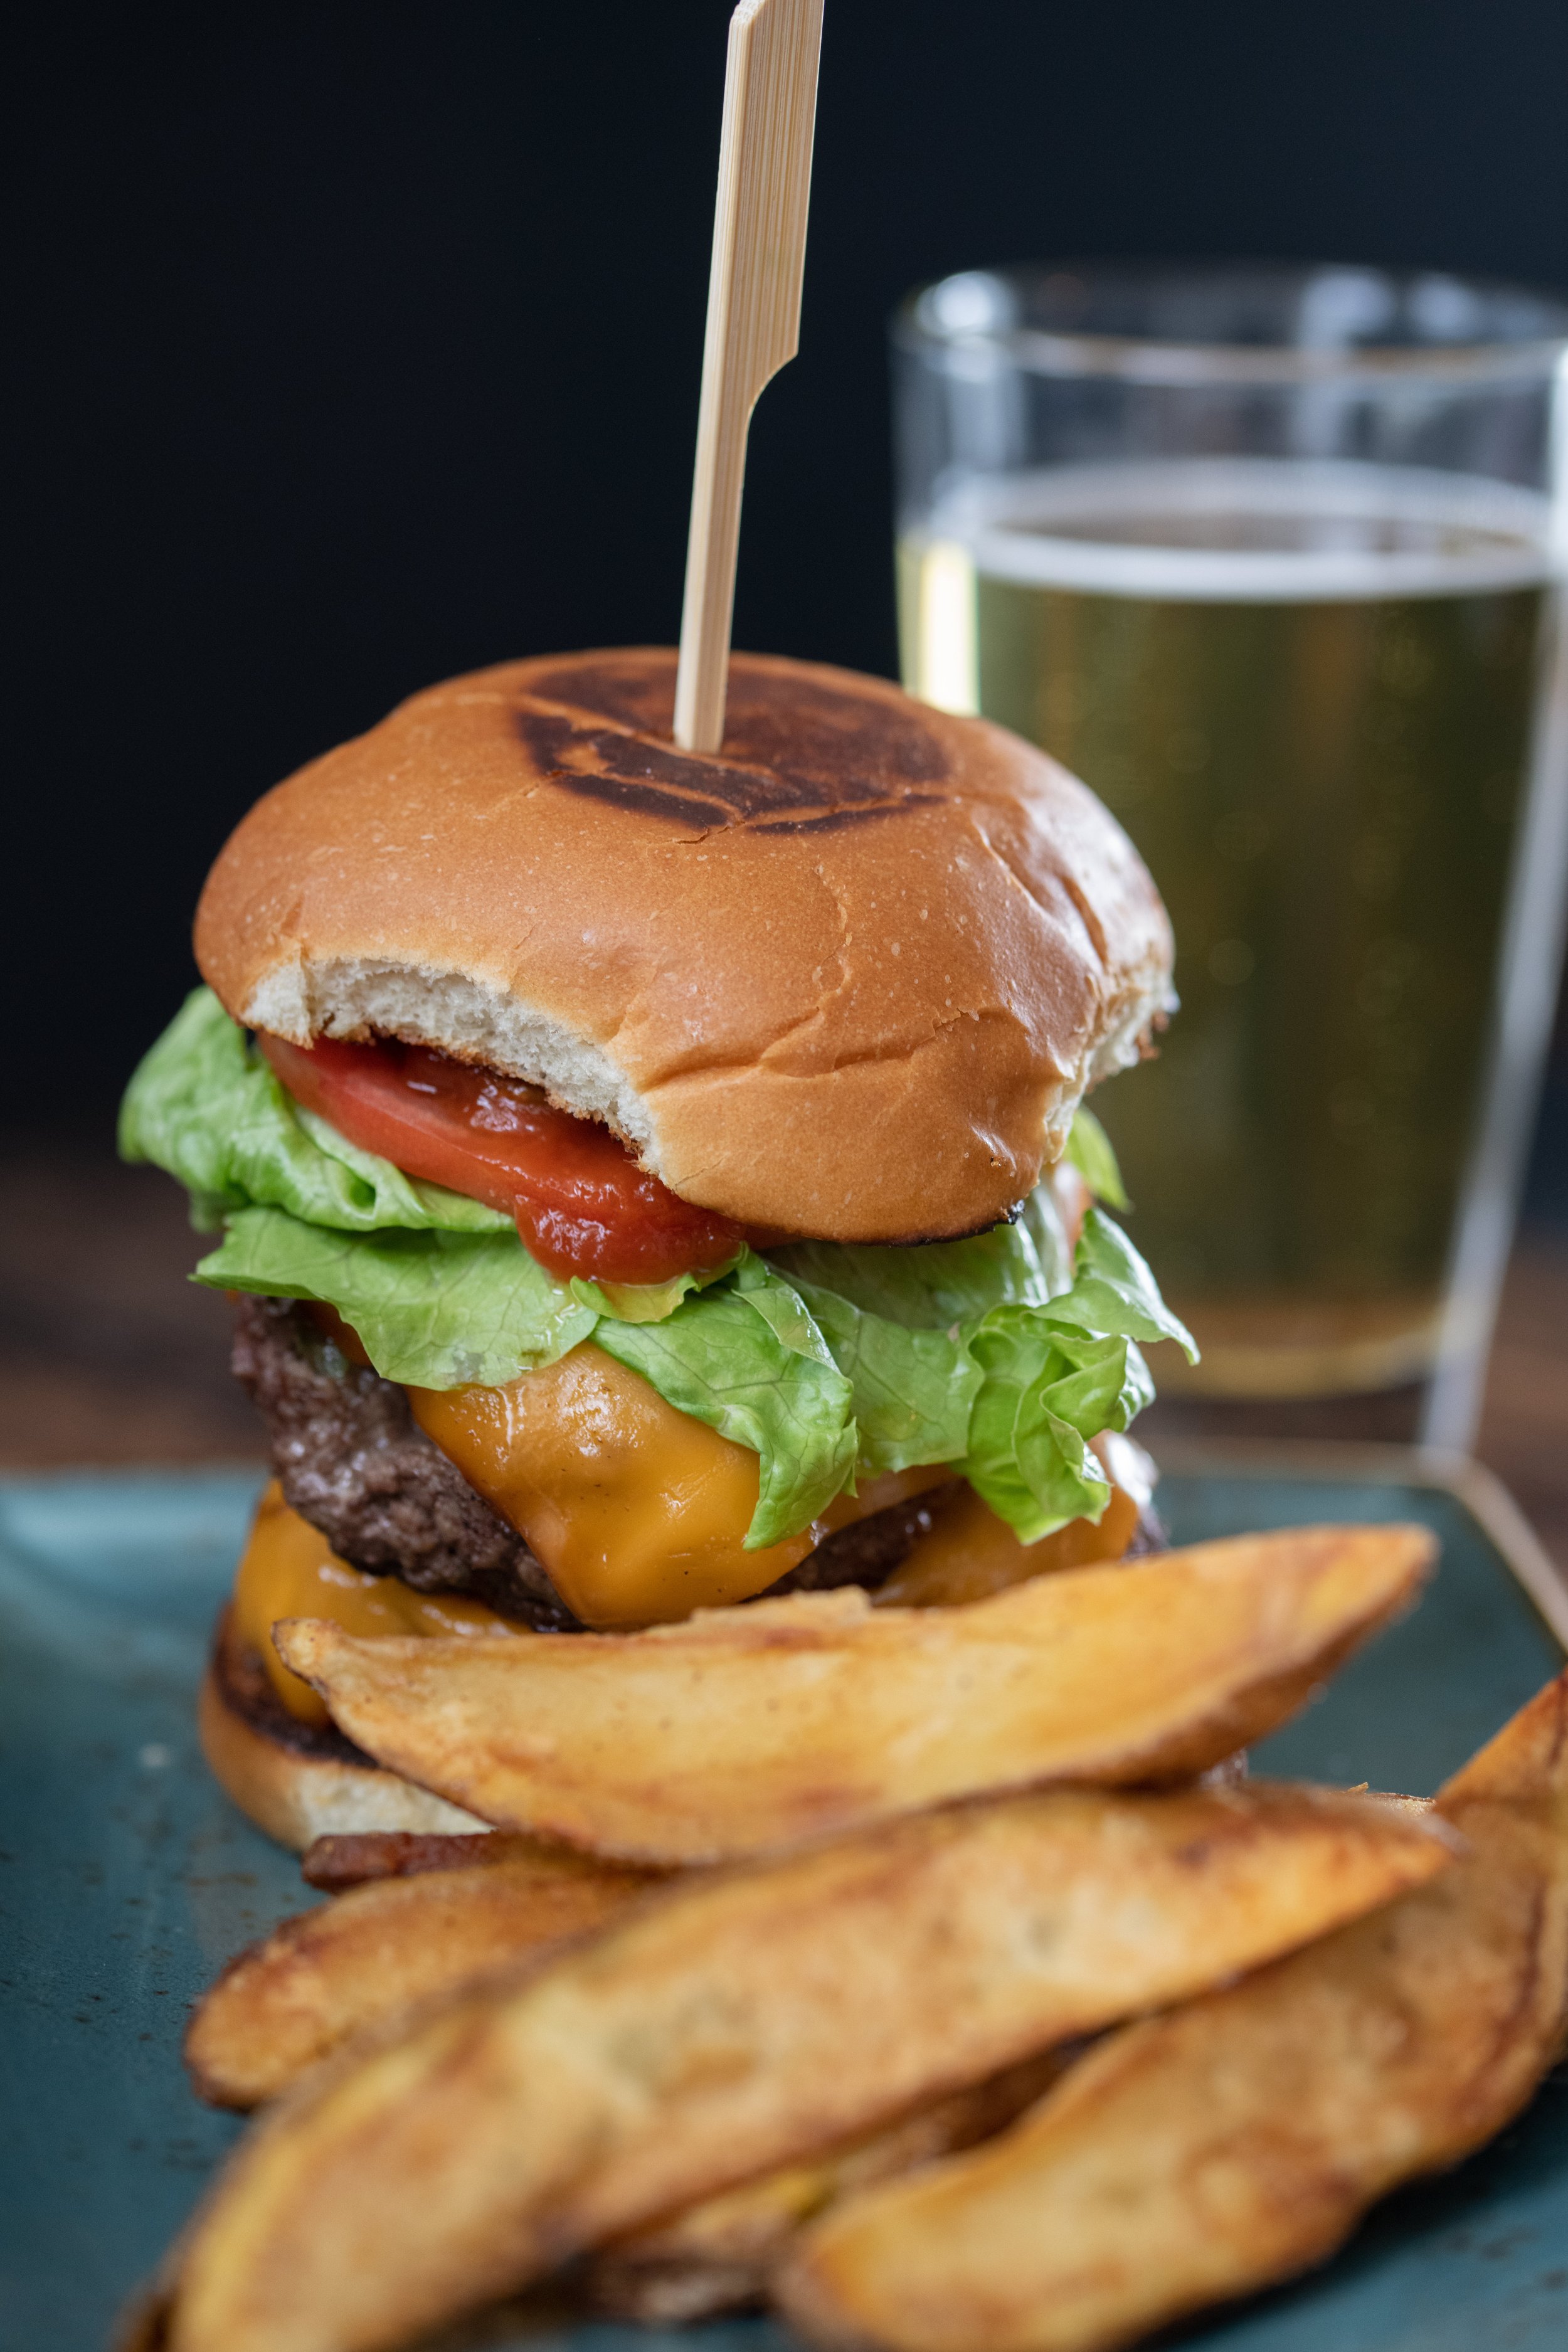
1157, 360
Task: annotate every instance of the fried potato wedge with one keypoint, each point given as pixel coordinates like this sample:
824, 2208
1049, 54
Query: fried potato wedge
721, 2252
1209, 2153
347, 1858
746, 1729
740, 2020
283, 2004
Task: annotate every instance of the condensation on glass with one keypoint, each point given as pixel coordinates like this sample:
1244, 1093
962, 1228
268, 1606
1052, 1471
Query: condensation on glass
1271, 558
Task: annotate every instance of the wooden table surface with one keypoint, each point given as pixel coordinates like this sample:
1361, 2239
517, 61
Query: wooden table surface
108, 1355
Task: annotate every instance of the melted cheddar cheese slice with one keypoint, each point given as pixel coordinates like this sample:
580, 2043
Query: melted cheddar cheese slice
638, 1512
290, 1569
969, 1553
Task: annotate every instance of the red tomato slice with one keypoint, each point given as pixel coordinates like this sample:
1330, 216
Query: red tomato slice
581, 1203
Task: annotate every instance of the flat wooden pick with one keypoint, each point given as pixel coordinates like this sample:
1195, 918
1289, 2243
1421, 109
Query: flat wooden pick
753, 319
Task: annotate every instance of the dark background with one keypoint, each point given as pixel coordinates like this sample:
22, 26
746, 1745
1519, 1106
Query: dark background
352, 346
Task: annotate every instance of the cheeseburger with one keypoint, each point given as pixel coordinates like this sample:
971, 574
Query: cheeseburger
649, 1180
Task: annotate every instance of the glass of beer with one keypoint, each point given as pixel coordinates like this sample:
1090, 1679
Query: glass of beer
1271, 559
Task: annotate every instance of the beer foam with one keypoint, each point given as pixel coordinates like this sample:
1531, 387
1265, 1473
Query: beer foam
1158, 531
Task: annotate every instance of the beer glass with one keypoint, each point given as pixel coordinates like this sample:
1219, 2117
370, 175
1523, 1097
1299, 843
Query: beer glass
1270, 558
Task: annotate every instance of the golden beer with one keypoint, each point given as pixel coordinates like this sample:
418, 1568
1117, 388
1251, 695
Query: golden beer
1308, 691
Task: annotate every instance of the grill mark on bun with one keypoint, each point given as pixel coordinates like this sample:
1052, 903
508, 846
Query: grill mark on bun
836, 819
799, 757
554, 741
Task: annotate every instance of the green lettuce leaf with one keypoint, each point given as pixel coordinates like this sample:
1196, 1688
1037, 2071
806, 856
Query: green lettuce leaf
782, 1308
1041, 1219
633, 1302
912, 1390
1089, 1152
1023, 1457
435, 1309
1113, 1290
750, 1362
935, 1285
1044, 1393
206, 1106
1015, 1394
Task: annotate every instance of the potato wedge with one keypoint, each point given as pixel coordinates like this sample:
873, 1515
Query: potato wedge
282, 2005
740, 2020
747, 1729
349, 1857
721, 2254
1211, 2152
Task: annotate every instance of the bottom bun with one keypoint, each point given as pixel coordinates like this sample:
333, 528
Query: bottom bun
286, 1785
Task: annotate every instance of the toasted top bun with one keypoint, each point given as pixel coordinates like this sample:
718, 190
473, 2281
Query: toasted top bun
846, 978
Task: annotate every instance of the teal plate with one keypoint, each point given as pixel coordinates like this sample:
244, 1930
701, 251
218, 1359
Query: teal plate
128, 1880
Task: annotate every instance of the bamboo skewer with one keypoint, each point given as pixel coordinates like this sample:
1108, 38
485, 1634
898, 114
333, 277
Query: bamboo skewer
753, 320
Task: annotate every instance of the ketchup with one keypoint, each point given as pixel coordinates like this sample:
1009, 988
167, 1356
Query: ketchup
581, 1203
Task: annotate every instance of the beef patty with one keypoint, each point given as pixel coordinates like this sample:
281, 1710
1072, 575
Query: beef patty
353, 1460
